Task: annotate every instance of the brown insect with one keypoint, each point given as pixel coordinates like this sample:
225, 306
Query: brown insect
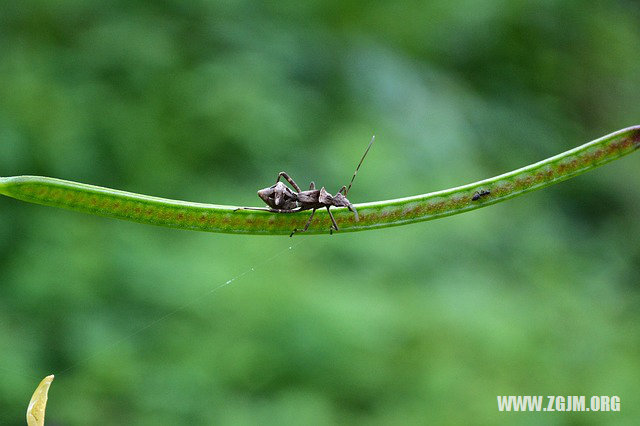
282, 199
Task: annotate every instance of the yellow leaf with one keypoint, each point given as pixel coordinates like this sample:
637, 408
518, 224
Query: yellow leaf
38, 403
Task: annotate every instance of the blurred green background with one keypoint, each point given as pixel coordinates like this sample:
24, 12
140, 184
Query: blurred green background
208, 100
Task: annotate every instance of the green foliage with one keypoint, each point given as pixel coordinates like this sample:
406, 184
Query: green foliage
207, 101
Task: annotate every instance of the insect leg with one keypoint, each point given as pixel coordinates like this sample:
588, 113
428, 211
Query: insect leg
333, 222
343, 190
268, 209
306, 226
263, 209
291, 181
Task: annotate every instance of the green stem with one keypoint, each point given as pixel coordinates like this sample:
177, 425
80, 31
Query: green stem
217, 218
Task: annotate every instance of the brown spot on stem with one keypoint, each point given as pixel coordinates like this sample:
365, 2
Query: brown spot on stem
620, 145
436, 207
525, 181
635, 138
573, 163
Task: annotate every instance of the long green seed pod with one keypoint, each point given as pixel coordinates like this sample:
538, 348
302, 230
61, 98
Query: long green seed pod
218, 218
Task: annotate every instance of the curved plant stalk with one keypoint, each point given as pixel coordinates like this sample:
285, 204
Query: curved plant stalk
38, 403
217, 218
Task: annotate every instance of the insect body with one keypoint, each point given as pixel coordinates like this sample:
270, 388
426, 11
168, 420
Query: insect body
282, 199
480, 194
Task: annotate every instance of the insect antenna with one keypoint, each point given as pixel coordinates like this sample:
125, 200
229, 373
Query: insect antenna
359, 164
